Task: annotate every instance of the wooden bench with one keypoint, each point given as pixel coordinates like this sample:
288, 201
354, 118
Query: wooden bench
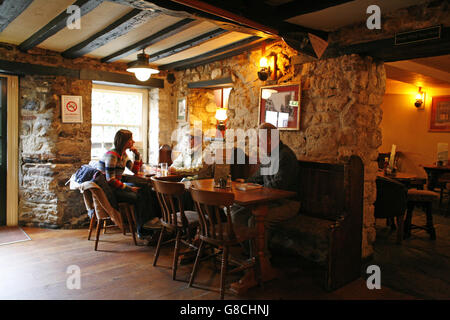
328, 229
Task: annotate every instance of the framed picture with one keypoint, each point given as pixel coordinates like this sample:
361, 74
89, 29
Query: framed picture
280, 106
440, 114
181, 110
71, 109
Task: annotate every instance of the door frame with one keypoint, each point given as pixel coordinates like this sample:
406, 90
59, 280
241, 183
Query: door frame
12, 150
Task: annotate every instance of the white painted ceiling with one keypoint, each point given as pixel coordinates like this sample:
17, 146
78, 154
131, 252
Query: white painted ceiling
333, 18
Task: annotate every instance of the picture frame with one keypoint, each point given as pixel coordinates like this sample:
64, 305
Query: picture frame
440, 114
182, 110
280, 105
71, 109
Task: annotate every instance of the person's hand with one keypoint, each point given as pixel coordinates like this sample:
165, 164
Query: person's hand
134, 189
135, 151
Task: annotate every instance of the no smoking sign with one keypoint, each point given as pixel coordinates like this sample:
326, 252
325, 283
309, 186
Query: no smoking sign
71, 106
71, 109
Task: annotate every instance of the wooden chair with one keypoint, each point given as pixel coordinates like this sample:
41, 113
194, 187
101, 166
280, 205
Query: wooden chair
102, 211
443, 182
425, 199
174, 218
220, 234
391, 202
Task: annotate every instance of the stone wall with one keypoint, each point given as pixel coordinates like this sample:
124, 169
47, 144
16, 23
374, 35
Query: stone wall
425, 14
50, 151
340, 108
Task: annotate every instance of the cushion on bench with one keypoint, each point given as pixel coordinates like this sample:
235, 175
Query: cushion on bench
303, 235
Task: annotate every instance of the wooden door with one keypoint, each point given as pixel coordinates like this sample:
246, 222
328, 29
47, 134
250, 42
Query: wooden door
3, 140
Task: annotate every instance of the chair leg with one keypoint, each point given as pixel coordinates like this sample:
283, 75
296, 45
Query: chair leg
430, 227
408, 219
104, 226
223, 271
129, 213
99, 227
400, 228
175, 255
158, 246
91, 225
197, 260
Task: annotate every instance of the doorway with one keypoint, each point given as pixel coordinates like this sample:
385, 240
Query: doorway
3, 140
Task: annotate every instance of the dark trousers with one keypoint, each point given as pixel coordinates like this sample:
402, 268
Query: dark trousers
145, 201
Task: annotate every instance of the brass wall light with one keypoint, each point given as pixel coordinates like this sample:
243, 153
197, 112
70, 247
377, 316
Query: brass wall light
141, 67
420, 99
267, 67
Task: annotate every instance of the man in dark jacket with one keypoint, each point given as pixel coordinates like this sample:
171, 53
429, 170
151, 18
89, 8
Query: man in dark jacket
279, 172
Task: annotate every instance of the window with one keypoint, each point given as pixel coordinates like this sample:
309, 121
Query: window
115, 108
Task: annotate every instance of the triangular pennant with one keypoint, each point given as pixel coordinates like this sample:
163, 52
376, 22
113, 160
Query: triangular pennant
319, 45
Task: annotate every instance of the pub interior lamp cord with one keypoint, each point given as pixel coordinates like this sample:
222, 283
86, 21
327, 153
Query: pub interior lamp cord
141, 67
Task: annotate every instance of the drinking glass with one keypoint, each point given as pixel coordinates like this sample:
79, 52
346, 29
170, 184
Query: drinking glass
163, 167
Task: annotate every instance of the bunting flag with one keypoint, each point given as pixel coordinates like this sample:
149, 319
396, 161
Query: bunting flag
319, 45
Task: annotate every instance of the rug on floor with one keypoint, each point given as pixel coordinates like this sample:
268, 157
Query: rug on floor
10, 235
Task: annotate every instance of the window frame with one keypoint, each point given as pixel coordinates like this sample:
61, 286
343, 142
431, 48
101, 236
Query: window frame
145, 111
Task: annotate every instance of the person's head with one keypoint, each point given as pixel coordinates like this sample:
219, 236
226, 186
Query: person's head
193, 135
123, 140
270, 144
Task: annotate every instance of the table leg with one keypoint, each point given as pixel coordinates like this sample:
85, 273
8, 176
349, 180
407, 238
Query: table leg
267, 271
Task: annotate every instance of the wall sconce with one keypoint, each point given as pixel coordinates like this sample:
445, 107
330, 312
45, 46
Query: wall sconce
221, 116
420, 99
141, 67
267, 67
170, 78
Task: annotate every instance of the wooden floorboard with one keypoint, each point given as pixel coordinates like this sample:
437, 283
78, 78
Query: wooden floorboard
120, 270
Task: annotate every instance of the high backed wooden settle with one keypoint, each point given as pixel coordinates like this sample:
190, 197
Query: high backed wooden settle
328, 230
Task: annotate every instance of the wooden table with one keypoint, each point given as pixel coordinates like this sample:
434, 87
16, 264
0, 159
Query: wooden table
434, 173
256, 200
408, 179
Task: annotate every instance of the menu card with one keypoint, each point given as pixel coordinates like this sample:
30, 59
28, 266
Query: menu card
392, 158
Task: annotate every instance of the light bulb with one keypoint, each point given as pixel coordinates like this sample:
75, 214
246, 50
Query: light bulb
142, 74
221, 114
263, 62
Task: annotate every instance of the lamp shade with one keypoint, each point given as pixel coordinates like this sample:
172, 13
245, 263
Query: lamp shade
266, 93
141, 68
221, 114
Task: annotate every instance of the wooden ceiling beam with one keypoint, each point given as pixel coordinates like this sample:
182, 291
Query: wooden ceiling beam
57, 24
10, 10
154, 38
238, 45
251, 46
255, 14
21, 68
296, 8
386, 50
118, 28
187, 44
223, 13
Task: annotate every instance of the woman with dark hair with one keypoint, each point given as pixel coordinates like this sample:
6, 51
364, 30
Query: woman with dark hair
128, 188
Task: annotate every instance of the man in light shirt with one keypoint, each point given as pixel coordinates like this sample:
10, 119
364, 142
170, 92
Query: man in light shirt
191, 161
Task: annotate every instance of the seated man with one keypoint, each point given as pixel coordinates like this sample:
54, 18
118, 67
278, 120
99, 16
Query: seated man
191, 161
280, 173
